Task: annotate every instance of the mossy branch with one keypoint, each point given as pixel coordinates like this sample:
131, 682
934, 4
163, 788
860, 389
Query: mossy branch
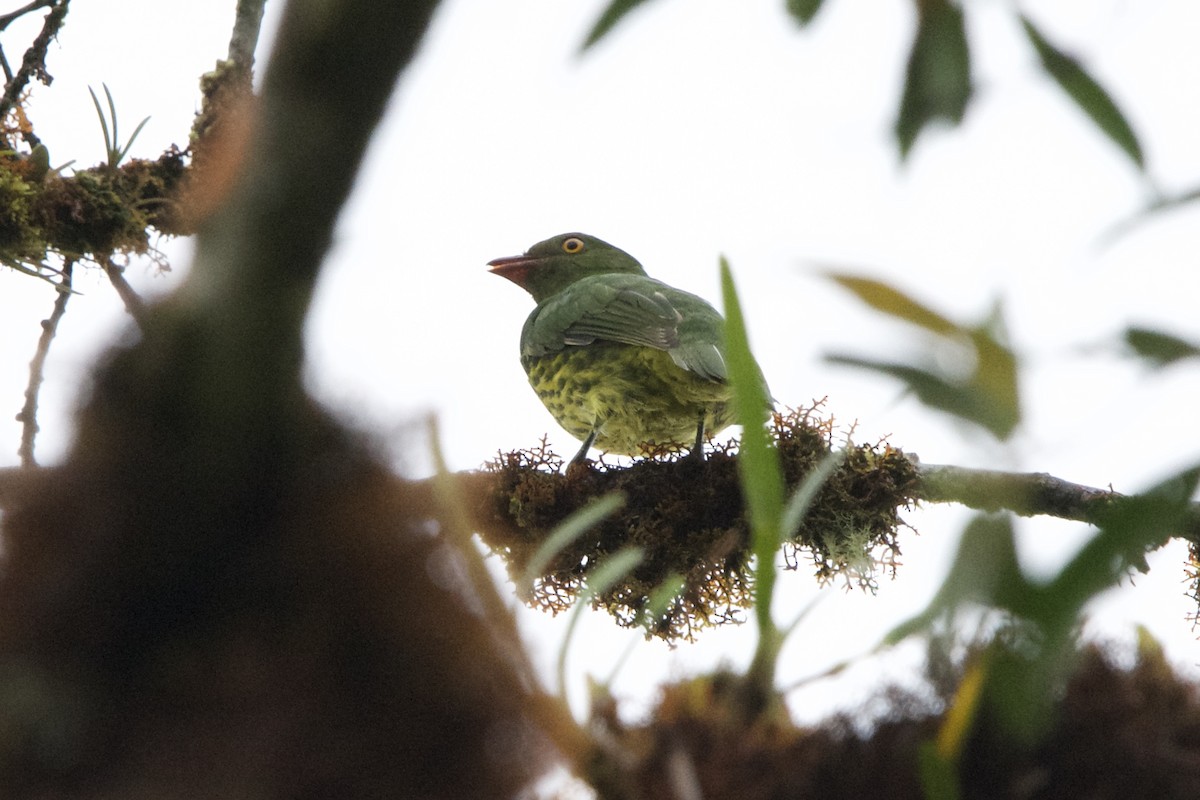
1028, 494
688, 519
34, 63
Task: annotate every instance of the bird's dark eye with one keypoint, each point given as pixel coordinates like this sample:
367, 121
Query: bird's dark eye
572, 245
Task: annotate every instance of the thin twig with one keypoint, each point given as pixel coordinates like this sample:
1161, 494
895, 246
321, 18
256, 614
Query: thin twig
28, 415
134, 304
34, 63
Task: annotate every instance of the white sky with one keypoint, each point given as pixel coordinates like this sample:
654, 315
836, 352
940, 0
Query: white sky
699, 128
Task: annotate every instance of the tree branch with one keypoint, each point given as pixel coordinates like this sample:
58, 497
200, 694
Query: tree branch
28, 414
244, 40
132, 300
13, 16
1027, 494
34, 62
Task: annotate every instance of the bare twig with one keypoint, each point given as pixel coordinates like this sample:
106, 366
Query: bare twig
34, 63
28, 415
132, 300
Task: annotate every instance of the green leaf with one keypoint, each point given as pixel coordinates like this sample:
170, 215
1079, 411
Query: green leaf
1132, 527
939, 776
972, 400
803, 11
987, 396
1161, 205
761, 477
566, 532
761, 472
1086, 92
802, 499
985, 571
1159, 348
611, 16
937, 82
993, 385
600, 580
890, 300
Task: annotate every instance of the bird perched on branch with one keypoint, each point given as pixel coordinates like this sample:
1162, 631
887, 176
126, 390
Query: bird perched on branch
622, 361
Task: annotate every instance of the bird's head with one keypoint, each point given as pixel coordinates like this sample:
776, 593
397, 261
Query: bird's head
551, 266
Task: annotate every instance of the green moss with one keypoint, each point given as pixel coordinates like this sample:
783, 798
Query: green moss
16, 240
93, 214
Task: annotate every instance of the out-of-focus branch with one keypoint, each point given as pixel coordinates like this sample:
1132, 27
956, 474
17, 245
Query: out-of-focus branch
1027, 494
132, 300
246, 26
266, 244
28, 414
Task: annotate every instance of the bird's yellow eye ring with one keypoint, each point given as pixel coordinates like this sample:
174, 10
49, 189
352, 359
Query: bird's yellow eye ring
573, 245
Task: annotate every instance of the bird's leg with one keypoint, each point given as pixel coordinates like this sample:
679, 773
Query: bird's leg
581, 456
697, 453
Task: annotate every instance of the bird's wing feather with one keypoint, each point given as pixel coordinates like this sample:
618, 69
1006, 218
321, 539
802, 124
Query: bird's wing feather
630, 309
630, 317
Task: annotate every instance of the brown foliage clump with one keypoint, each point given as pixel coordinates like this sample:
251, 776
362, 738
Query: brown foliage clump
687, 519
1117, 733
184, 615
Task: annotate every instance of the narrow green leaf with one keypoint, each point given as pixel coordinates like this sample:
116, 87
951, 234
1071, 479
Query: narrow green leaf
566, 532
762, 481
985, 571
124, 151
937, 82
1131, 528
108, 144
939, 776
1089, 95
994, 382
661, 598
1159, 348
890, 300
803, 11
606, 575
967, 400
616, 10
758, 460
1161, 205
656, 605
112, 110
801, 500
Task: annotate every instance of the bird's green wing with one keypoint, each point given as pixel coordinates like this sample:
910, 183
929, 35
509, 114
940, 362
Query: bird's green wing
630, 309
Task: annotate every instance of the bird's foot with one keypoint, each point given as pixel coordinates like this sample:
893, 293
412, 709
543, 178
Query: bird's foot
577, 466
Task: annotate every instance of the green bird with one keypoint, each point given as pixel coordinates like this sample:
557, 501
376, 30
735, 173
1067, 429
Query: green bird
622, 361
